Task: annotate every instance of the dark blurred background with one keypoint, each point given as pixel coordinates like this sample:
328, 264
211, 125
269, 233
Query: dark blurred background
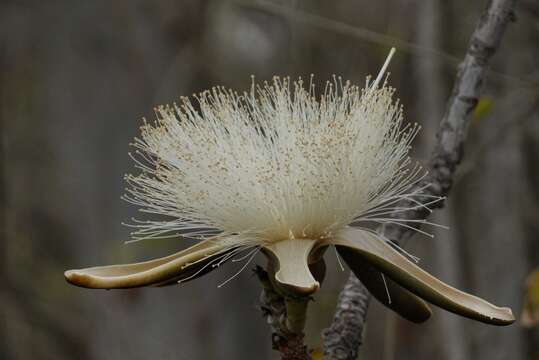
76, 78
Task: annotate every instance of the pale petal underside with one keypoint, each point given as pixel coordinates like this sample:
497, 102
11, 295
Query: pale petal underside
290, 261
373, 250
183, 265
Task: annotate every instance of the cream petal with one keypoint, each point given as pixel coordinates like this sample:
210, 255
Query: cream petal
395, 297
290, 259
188, 263
382, 256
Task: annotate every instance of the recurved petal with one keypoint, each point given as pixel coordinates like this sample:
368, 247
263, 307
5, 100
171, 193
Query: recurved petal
183, 265
373, 250
395, 297
290, 260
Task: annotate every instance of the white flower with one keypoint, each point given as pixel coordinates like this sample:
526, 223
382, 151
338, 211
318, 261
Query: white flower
272, 163
281, 170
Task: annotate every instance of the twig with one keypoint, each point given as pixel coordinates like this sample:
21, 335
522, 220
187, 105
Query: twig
445, 158
368, 35
274, 308
350, 30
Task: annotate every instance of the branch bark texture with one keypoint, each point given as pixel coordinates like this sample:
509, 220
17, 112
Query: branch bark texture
343, 338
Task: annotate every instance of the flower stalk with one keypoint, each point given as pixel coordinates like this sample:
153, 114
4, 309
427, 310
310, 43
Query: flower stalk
282, 316
296, 314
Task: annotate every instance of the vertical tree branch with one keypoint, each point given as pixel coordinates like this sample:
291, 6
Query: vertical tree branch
447, 155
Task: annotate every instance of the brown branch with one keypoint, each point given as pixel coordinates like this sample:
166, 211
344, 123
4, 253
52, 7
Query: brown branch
444, 161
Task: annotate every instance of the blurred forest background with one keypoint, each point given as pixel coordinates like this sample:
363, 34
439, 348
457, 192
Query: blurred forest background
76, 77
